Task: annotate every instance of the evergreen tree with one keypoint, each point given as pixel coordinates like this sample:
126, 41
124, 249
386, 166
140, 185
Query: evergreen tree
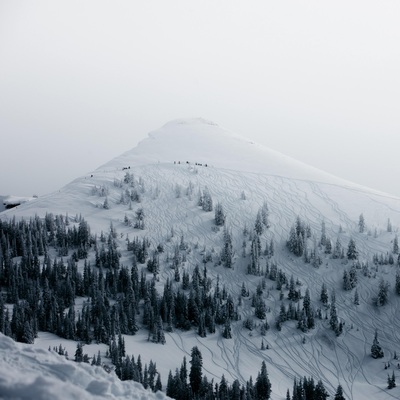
258, 225
328, 246
346, 281
227, 250
334, 320
263, 384
28, 335
260, 308
376, 349
339, 393
352, 253
98, 359
244, 292
395, 245
227, 333
324, 294
356, 298
337, 251
323, 239
195, 375
222, 391
382, 298
79, 353
206, 202
219, 215
391, 381
353, 277
320, 391
361, 224
397, 284
158, 385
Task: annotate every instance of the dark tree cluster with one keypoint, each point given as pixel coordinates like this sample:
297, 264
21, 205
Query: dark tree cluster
219, 215
140, 249
127, 368
298, 235
205, 200
350, 278
307, 389
192, 384
385, 259
376, 349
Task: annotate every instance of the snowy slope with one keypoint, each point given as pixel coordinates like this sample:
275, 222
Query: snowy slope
202, 141
241, 175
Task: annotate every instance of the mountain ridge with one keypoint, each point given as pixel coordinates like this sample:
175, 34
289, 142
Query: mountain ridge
203, 141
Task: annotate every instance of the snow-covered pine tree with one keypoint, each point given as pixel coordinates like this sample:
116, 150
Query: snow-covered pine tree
383, 293
258, 225
207, 202
324, 294
227, 249
396, 245
339, 393
263, 384
219, 215
352, 253
79, 353
337, 251
376, 349
397, 284
361, 223
195, 374
391, 381
323, 234
334, 320
328, 246
356, 298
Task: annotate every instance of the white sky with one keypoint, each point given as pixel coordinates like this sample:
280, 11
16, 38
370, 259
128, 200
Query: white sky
83, 81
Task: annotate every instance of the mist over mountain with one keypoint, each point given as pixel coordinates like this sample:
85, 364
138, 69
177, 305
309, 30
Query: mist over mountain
250, 238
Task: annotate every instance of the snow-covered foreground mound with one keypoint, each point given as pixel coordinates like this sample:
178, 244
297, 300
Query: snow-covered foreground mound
27, 373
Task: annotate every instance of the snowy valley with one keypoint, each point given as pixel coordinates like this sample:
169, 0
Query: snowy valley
199, 238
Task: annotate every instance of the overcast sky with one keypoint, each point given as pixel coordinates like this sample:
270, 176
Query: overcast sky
84, 81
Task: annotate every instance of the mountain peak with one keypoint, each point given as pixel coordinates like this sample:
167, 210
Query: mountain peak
190, 121
198, 140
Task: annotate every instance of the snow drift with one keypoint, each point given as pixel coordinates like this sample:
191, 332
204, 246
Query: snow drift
30, 373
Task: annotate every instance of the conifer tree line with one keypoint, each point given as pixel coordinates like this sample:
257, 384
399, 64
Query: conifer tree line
41, 289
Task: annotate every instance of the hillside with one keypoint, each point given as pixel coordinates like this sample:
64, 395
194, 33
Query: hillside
153, 192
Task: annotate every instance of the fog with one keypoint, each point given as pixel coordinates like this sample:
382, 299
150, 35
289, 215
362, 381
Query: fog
83, 81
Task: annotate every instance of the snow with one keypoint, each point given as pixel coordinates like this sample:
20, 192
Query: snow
202, 141
16, 200
291, 188
29, 373
2, 206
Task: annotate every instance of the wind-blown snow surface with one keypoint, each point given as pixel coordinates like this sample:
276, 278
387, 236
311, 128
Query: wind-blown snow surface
28, 373
242, 175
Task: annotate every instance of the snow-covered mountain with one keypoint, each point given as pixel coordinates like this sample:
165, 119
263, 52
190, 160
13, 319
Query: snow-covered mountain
167, 173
